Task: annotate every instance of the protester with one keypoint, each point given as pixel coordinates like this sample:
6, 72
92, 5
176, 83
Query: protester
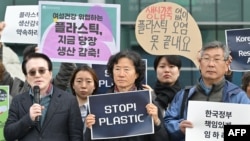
167, 68
127, 70
229, 73
10, 59
18, 86
84, 82
60, 117
212, 86
246, 83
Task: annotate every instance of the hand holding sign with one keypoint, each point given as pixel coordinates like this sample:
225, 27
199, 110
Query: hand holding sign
111, 113
166, 28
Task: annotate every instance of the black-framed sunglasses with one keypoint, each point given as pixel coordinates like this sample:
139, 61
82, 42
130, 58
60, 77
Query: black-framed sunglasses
41, 71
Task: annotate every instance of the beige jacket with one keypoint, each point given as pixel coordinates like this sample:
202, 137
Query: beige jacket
12, 63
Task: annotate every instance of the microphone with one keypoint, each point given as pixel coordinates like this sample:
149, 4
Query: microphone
36, 91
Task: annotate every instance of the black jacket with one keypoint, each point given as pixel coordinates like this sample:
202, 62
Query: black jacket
63, 120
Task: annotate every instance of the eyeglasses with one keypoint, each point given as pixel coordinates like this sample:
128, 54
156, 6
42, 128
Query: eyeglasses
41, 71
215, 60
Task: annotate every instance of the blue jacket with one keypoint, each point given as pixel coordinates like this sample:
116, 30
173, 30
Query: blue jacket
231, 94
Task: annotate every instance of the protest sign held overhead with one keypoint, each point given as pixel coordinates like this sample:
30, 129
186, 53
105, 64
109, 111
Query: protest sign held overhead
166, 28
79, 32
21, 24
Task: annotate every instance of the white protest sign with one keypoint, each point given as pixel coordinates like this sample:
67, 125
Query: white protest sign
21, 24
209, 118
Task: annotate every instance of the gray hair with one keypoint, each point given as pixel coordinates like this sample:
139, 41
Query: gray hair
217, 44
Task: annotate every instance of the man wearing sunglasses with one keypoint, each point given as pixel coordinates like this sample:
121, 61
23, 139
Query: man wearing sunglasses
58, 111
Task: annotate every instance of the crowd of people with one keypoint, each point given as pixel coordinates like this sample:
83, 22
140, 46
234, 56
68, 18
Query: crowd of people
64, 116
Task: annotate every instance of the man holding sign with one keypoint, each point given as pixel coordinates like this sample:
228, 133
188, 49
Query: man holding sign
212, 86
127, 71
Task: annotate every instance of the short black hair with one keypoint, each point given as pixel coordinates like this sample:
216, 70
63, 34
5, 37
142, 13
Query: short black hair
36, 55
172, 59
28, 50
88, 69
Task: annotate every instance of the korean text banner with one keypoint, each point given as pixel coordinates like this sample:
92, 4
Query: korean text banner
120, 114
209, 118
79, 32
238, 41
166, 28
